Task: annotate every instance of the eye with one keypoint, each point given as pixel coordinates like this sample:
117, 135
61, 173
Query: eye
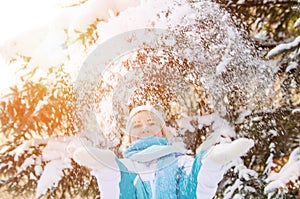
149, 119
151, 123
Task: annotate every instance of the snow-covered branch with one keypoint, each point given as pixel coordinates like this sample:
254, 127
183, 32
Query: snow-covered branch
284, 47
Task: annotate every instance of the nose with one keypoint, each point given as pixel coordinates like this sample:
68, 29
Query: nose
145, 129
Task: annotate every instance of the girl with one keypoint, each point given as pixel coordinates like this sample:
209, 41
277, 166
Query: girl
153, 167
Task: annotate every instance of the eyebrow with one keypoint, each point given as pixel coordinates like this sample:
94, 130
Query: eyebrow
136, 125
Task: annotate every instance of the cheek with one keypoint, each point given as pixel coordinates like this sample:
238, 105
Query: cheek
135, 132
155, 130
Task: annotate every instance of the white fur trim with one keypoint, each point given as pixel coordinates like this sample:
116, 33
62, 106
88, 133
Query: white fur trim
95, 158
155, 152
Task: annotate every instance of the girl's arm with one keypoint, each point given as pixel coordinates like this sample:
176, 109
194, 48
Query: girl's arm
104, 167
209, 176
214, 165
108, 180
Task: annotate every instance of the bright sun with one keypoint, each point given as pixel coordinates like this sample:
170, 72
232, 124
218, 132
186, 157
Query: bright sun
16, 18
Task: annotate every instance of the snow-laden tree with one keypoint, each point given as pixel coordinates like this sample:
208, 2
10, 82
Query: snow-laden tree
274, 27
37, 124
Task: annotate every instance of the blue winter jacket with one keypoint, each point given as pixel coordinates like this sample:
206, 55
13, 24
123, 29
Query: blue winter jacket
170, 182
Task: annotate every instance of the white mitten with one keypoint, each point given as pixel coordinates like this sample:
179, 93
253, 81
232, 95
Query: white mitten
225, 153
95, 158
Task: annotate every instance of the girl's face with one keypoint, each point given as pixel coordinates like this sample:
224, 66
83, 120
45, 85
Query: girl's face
144, 124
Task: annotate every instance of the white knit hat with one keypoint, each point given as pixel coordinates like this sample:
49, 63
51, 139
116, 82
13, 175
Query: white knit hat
149, 108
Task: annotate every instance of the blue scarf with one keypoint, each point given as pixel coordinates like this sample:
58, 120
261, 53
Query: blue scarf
165, 182
143, 144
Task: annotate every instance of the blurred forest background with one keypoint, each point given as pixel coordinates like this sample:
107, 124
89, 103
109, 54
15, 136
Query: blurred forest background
275, 20
43, 109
